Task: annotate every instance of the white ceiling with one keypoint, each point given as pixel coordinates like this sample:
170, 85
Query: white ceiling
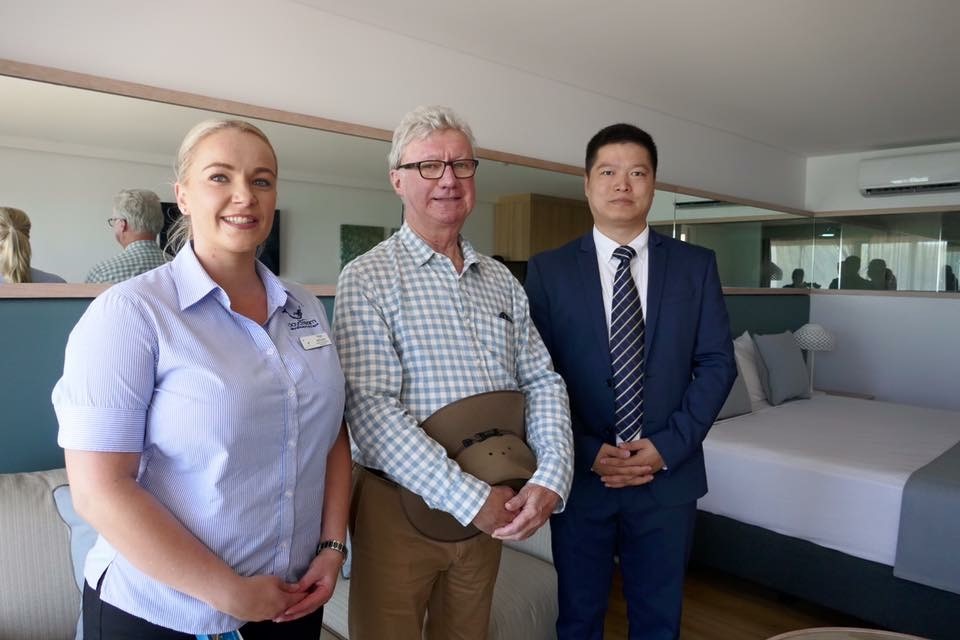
813, 77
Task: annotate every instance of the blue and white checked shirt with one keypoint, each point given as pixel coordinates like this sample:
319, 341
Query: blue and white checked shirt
138, 257
233, 422
414, 336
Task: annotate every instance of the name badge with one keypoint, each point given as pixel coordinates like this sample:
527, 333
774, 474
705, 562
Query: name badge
315, 341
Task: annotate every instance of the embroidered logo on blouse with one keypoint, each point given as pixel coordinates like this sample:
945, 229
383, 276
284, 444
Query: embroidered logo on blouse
299, 322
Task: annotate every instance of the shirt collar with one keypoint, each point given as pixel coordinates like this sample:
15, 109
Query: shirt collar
423, 252
140, 244
605, 246
194, 283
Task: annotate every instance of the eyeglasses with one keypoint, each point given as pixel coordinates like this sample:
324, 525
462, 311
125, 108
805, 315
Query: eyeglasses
112, 221
434, 169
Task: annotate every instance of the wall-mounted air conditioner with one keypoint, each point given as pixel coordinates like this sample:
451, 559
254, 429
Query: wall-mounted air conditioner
904, 175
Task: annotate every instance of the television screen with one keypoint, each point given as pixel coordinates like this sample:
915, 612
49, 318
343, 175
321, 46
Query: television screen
270, 256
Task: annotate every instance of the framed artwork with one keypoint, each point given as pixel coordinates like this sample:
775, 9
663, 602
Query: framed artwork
357, 239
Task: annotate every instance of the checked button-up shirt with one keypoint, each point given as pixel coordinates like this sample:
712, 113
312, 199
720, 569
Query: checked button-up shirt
413, 336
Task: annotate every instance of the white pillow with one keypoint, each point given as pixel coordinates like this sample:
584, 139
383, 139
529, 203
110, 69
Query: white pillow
746, 353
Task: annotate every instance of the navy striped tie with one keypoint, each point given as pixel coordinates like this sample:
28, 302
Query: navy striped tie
626, 348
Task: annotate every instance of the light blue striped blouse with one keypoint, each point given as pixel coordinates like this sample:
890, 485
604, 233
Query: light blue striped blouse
415, 336
233, 422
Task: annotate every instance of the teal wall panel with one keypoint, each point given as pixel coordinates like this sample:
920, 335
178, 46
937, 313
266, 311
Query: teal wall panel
33, 334
767, 313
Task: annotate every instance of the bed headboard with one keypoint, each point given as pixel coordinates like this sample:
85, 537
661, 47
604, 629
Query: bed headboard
766, 313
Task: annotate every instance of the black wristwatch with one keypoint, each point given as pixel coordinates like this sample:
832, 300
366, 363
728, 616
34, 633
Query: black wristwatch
336, 545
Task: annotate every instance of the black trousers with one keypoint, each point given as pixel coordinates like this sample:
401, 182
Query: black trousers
102, 621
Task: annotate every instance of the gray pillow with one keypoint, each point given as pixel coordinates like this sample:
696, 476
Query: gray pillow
782, 370
738, 402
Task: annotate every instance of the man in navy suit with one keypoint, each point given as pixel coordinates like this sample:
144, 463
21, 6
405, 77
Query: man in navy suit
637, 429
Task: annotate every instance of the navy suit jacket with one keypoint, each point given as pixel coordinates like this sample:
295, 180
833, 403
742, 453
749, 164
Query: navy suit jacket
689, 362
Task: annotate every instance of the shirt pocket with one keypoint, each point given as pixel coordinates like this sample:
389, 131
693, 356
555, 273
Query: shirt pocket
497, 335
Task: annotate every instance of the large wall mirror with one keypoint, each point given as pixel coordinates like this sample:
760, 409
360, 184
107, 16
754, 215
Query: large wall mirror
65, 152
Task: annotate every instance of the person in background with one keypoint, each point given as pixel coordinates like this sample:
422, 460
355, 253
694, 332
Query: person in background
850, 277
880, 276
796, 280
637, 326
136, 221
423, 320
950, 280
201, 413
15, 251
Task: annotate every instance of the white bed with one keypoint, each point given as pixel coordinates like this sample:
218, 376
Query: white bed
830, 470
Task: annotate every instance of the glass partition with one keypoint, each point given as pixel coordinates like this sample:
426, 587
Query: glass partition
756, 248
888, 252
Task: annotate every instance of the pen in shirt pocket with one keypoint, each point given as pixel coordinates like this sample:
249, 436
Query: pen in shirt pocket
505, 316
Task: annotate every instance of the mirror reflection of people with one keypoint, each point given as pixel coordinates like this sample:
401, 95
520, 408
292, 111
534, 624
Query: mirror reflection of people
639, 416
201, 410
137, 220
15, 251
423, 320
797, 281
850, 277
881, 277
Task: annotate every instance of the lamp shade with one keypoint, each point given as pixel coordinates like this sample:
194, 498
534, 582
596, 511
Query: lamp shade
813, 337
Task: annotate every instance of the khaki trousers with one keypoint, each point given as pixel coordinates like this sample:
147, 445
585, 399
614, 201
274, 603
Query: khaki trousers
398, 575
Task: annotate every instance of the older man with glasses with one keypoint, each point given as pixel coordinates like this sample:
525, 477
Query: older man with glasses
137, 220
421, 321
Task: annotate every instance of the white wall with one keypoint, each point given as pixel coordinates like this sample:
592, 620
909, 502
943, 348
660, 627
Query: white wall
68, 194
833, 183
900, 349
293, 57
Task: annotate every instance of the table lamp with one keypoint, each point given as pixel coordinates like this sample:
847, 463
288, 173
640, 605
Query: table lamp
812, 338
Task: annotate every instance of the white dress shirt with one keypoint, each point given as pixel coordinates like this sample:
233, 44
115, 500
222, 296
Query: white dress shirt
608, 268
608, 271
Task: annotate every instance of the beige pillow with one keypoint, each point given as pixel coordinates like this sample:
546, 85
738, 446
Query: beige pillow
746, 353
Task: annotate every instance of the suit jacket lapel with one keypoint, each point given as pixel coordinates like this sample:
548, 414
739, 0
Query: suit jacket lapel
593, 296
656, 274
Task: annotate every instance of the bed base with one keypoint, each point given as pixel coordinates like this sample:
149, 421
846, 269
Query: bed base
861, 588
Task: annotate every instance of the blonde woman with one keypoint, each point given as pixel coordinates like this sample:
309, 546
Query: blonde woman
15, 252
201, 411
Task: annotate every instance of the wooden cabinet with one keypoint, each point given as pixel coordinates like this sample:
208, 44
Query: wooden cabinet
526, 224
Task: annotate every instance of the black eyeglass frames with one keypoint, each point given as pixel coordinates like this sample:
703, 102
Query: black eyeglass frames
434, 169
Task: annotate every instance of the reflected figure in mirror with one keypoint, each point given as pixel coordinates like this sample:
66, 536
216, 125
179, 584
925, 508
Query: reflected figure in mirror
797, 282
850, 277
15, 250
137, 220
881, 277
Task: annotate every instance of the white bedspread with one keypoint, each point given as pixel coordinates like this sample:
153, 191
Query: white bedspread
830, 470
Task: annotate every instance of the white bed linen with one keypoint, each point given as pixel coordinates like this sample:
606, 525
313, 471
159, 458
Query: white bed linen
830, 470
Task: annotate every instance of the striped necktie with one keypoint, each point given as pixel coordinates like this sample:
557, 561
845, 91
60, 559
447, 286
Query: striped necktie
626, 348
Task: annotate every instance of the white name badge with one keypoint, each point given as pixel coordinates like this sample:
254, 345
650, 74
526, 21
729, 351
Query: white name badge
315, 341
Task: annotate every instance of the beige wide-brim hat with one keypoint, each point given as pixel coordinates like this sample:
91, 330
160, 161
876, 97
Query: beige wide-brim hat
484, 434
